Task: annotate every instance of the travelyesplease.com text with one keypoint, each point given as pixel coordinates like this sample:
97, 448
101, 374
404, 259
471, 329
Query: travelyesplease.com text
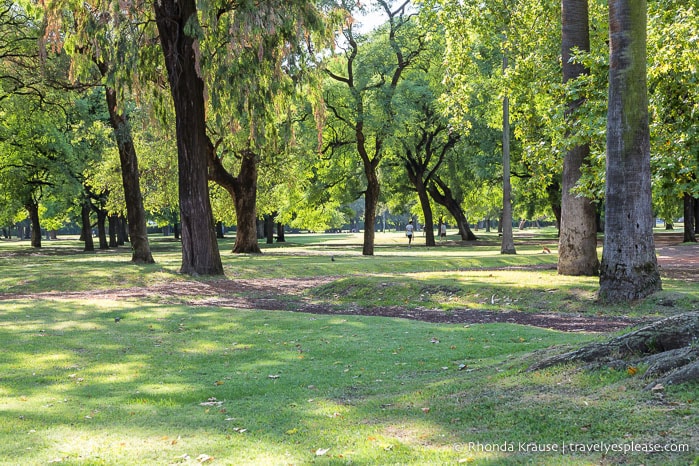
570, 448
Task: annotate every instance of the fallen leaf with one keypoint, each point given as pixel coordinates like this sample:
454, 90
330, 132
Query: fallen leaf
632, 370
658, 388
434, 340
204, 458
291, 431
218, 382
322, 451
425, 410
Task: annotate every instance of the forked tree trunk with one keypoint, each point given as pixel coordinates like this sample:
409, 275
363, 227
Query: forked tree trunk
445, 197
577, 245
243, 190
130, 177
200, 254
629, 267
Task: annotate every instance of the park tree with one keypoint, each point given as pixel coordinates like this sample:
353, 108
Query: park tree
577, 248
107, 44
629, 268
495, 57
364, 77
674, 103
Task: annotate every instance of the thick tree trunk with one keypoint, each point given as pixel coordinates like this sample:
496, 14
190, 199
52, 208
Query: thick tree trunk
696, 215
689, 219
269, 228
130, 177
577, 245
629, 267
243, 190
200, 254
446, 198
219, 230
86, 233
122, 234
33, 211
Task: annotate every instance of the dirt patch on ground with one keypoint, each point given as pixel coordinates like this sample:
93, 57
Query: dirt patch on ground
288, 295
678, 261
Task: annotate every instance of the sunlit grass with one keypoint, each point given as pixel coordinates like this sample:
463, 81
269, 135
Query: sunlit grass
178, 384
170, 383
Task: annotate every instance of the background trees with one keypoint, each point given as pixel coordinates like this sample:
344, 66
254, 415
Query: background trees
406, 116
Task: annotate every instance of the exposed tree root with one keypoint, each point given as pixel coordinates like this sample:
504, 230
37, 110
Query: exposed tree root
669, 347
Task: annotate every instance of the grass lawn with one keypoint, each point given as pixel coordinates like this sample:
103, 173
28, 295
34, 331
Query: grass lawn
171, 383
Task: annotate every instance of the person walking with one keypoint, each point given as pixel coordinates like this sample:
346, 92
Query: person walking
409, 232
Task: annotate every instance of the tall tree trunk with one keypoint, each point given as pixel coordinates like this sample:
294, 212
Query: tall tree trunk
113, 222
243, 190
508, 242
219, 230
577, 245
446, 199
696, 215
269, 228
136, 214
101, 228
689, 219
417, 176
122, 235
427, 212
554, 196
200, 254
280, 233
33, 210
629, 267
86, 233
371, 201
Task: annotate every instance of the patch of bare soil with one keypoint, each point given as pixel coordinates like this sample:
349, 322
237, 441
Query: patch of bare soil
679, 261
287, 295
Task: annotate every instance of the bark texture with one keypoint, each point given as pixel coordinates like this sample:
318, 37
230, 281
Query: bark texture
130, 177
200, 254
629, 268
243, 190
35, 223
668, 347
577, 246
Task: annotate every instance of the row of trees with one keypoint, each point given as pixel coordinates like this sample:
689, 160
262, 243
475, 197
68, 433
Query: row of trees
292, 120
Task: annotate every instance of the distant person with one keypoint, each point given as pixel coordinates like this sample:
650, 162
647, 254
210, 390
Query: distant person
409, 232
443, 231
